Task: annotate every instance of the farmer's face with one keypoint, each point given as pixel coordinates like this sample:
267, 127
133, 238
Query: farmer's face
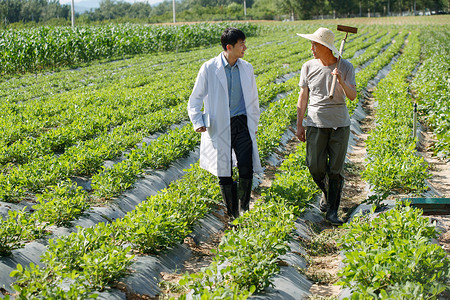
318, 50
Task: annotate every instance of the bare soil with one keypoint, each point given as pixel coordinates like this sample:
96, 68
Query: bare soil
438, 168
201, 257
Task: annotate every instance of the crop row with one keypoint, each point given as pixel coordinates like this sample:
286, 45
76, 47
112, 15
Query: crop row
130, 73
431, 87
393, 256
380, 59
392, 162
46, 47
374, 49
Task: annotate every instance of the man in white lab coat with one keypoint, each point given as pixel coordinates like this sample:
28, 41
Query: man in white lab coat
226, 90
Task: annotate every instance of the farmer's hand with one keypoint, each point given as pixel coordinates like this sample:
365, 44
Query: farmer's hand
201, 129
301, 133
349, 90
338, 73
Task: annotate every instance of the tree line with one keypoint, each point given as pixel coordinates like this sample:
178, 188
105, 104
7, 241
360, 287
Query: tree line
39, 11
51, 12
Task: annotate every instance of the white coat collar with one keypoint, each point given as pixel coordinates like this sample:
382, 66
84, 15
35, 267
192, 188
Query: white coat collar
220, 72
220, 69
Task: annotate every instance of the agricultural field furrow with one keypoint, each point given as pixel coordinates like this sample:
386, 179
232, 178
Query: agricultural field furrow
391, 154
432, 88
374, 49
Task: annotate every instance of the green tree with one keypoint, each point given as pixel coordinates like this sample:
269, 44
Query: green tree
289, 7
140, 10
31, 10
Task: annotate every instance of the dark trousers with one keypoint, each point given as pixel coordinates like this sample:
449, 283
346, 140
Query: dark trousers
241, 143
325, 151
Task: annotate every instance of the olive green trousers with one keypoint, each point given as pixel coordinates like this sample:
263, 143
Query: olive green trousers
325, 151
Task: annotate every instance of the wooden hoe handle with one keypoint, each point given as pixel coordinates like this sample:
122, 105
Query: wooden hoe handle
333, 83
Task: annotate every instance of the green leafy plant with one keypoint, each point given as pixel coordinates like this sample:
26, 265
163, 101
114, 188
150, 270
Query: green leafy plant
430, 86
61, 204
392, 255
17, 228
392, 163
34, 282
376, 199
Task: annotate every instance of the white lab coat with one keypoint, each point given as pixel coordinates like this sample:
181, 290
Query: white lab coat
211, 92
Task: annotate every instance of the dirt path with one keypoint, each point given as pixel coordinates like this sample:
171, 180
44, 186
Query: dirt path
438, 168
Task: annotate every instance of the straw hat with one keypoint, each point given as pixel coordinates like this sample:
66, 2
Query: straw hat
322, 36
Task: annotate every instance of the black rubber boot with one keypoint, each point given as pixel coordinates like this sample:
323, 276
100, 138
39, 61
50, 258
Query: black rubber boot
229, 195
323, 206
334, 199
244, 193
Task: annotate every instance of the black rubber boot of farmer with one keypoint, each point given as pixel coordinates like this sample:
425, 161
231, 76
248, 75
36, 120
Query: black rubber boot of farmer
244, 192
229, 195
323, 205
334, 199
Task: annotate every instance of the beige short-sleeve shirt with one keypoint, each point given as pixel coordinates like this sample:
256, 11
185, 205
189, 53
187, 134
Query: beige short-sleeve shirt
323, 111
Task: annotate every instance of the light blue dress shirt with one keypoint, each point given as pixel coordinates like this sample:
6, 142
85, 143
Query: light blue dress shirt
237, 104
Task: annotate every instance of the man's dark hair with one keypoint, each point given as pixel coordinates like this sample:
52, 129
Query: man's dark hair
231, 36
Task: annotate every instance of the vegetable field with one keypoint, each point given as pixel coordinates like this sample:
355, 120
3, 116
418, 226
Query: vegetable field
90, 116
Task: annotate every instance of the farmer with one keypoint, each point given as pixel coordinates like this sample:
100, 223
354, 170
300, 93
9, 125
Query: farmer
226, 90
328, 121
